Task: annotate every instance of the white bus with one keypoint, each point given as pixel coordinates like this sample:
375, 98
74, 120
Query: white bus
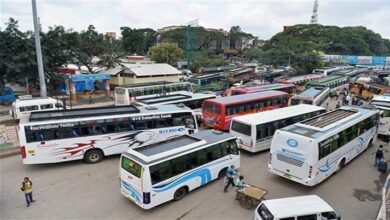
312, 150
24, 105
319, 96
168, 170
193, 101
256, 130
125, 95
91, 134
382, 103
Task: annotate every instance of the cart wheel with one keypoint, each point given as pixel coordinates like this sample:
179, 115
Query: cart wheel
245, 202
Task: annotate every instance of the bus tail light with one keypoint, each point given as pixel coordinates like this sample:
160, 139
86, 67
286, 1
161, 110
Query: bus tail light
23, 152
146, 197
270, 158
310, 171
251, 143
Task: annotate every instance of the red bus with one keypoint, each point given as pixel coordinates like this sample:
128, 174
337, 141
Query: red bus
289, 88
217, 113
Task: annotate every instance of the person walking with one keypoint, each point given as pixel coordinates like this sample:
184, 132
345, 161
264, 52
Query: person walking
27, 189
230, 173
347, 99
378, 155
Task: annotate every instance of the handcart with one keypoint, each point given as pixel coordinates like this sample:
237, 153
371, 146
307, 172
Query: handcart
250, 196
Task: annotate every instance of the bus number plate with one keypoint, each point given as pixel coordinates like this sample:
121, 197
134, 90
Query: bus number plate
288, 176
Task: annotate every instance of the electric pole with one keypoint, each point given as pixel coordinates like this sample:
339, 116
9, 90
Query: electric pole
38, 51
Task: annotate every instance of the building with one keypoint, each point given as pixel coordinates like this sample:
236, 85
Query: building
129, 73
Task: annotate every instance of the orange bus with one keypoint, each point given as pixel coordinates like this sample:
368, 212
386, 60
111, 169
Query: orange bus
218, 113
367, 90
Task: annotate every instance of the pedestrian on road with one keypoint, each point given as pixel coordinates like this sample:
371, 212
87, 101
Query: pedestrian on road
27, 189
337, 94
378, 155
347, 99
240, 182
338, 105
230, 173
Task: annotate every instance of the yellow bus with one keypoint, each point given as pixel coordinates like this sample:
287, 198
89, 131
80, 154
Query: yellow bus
368, 90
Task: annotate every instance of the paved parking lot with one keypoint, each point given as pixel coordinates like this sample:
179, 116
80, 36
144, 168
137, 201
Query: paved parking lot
76, 190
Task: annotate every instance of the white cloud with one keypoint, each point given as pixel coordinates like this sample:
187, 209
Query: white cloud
263, 18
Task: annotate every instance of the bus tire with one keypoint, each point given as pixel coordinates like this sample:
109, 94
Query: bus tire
180, 193
93, 156
341, 165
222, 173
370, 143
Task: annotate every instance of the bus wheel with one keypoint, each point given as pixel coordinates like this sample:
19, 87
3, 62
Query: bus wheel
370, 143
93, 156
341, 165
180, 193
221, 173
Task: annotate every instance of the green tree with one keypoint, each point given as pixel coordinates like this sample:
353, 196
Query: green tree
137, 40
17, 55
166, 53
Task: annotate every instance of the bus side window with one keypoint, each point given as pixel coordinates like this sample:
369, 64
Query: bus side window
46, 106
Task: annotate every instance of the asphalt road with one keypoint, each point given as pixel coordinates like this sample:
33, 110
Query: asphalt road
75, 190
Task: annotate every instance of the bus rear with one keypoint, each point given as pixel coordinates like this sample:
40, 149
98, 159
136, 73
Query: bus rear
292, 156
121, 96
133, 182
243, 130
213, 114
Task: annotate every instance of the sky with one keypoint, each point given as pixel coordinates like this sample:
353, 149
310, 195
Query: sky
262, 18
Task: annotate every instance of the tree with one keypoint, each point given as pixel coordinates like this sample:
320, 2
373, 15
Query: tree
137, 40
17, 55
166, 53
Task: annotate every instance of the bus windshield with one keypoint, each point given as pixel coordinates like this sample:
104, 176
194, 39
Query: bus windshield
301, 101
212, 108
241, 128
131, 166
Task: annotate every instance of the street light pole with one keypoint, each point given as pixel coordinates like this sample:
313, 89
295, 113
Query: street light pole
38, 50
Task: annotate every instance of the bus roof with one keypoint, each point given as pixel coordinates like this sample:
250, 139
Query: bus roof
247, 97
180, 96
381, 101
323, 124
206, 75
273, 86
100, 112
169, 148
296, 206
300, 78
312, 92
277, 114
327, 79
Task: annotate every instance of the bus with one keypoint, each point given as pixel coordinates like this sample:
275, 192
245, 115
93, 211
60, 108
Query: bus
310, 151
218, 113
326, 71
210, 82
299, 81
284, 87
124, 95
240, 75
334, 82
193, 101
92, 133
168, 170
319, 96
382, 103
367, 90
257, 130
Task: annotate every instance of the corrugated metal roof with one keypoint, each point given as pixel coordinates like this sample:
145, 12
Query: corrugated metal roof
151, 69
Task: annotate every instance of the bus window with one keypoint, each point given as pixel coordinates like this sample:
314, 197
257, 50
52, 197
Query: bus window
46, 106
28, 108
